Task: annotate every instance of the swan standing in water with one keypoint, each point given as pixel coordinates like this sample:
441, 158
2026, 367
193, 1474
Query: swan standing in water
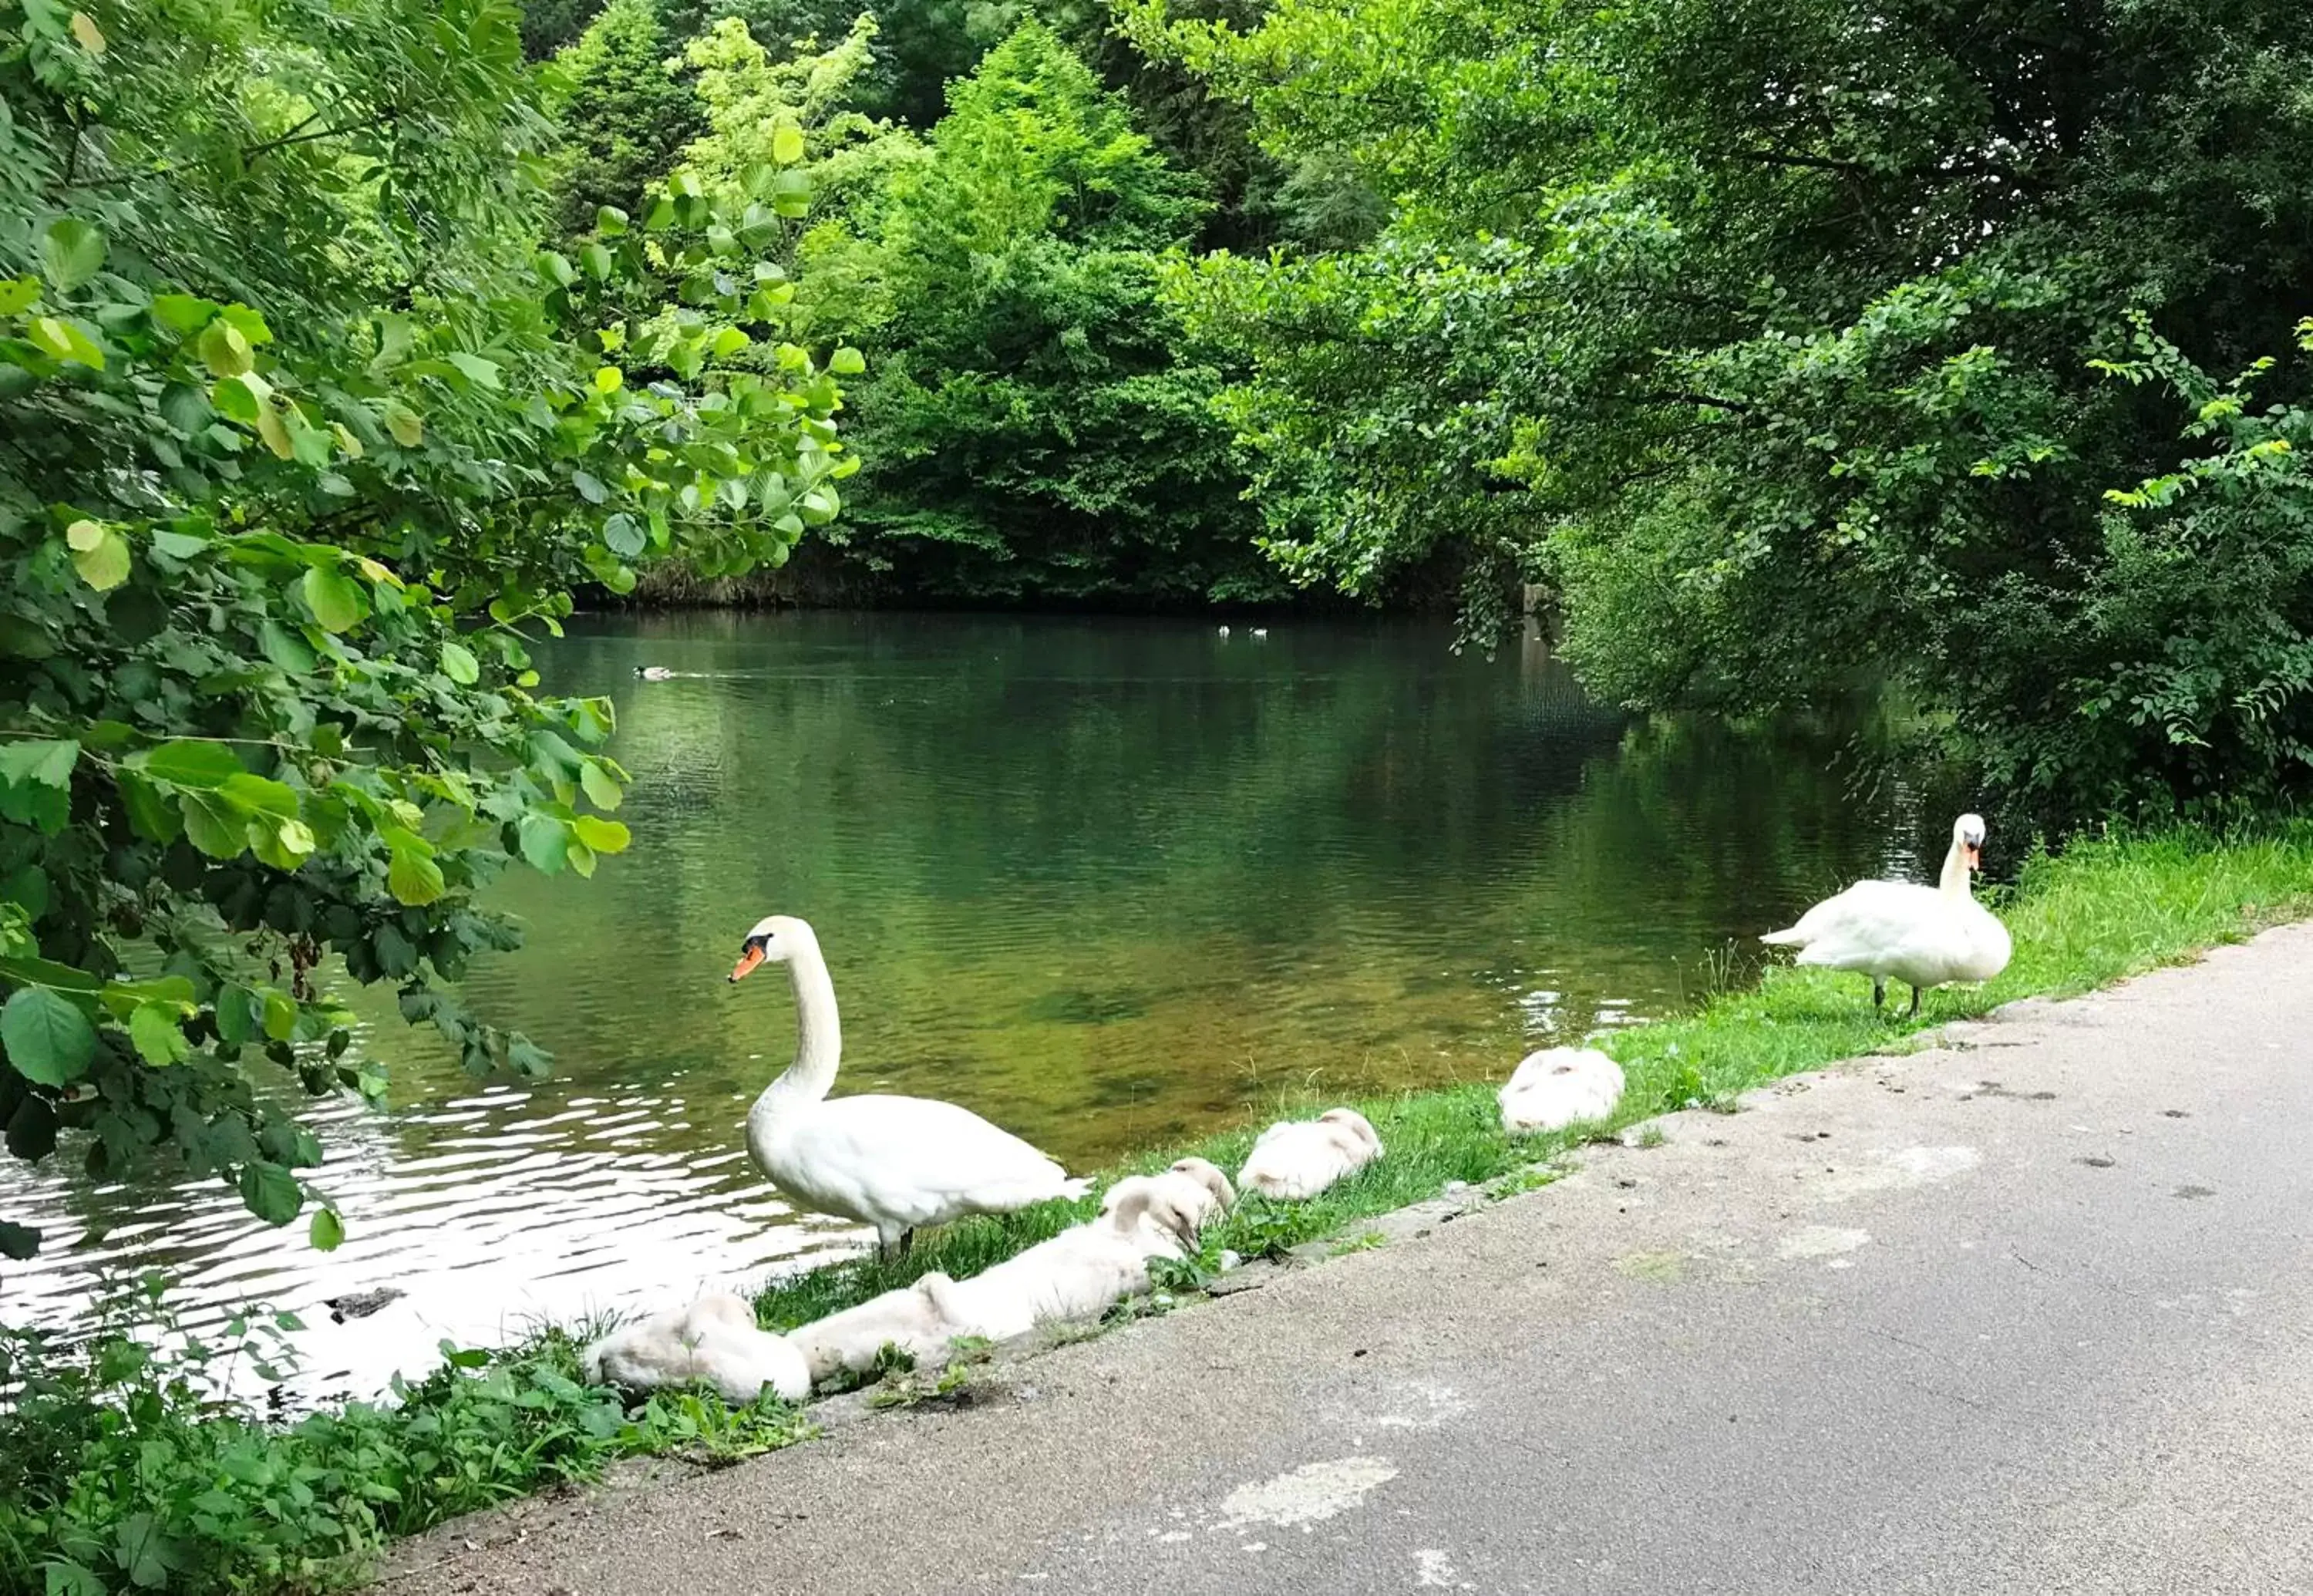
1559, 1087
716, 1340
895, 1163
1898, 931
652, 673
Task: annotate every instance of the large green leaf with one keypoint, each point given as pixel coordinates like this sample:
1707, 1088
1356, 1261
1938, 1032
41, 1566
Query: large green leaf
327, 1232
103, 564
188, 763
213, 825
50, 1040
413, 878
72, 252
20, 1242
334, 598
48, 761
603, 836
545, 841
271, 1191
153, 1030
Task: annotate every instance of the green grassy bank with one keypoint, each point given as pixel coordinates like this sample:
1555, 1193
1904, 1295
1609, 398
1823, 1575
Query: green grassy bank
118, 1472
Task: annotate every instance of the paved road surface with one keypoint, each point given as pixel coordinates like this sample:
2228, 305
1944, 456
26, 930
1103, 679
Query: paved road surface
1893, 1328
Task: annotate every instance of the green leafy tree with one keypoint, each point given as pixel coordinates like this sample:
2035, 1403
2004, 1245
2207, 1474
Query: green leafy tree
1039, 424
548, 25
300, 437
1769, 331
624, 115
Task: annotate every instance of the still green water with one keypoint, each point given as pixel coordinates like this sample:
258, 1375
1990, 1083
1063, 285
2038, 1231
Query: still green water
1108, 882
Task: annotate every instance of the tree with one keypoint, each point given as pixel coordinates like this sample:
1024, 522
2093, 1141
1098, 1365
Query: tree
301, 436
1769, 331
624, 116
1040, 423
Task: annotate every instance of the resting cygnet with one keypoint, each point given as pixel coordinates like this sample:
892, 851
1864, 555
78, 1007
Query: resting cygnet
715, 1340
1559, 1087
911, 1318
1295, 1159
1197, 1189
1081, 1272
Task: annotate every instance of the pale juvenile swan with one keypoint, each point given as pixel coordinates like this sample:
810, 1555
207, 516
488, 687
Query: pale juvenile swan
1196, 1185
715, 1340
1295, 1159
1081, 1272
911, 1318
894, 1163
1559, 1087
1897, 930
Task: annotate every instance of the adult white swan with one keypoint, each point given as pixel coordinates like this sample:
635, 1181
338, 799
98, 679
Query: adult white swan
1922, 936
894, 1163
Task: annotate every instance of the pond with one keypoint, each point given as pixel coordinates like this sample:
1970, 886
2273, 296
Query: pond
1109, 882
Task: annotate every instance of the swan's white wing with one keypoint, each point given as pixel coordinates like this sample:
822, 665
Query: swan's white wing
919, 1160
1910, 933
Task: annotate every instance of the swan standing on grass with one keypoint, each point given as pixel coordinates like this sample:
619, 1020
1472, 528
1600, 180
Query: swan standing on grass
1295, 1159
1898, 931
1559, 1087
895, 1163
716, 1340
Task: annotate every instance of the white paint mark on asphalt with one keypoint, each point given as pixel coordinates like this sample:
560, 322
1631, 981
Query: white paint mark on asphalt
1894, 1171
1422, 1405
1303, 1497
1435, 1570
1820, 1242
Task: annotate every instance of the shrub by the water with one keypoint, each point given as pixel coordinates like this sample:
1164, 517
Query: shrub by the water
125, 1466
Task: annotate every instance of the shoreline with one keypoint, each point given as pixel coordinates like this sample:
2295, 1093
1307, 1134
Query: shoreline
2110, 908
2029, 1251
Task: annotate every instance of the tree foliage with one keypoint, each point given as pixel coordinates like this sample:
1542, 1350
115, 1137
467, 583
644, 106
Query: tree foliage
1036, 423
1769, 331
301, 436
624, 117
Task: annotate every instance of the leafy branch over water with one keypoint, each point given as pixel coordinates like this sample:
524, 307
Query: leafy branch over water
301, 438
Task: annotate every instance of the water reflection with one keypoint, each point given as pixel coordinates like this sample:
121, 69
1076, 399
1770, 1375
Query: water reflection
1107, 882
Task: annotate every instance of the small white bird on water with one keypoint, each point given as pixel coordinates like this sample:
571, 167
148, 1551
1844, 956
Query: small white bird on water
1899, 931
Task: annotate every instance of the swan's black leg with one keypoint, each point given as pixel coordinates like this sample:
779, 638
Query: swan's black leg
1915, 1002
907, 1241
1878, 993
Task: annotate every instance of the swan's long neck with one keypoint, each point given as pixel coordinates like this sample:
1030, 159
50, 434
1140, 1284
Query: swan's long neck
1956, 882
819, 1049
